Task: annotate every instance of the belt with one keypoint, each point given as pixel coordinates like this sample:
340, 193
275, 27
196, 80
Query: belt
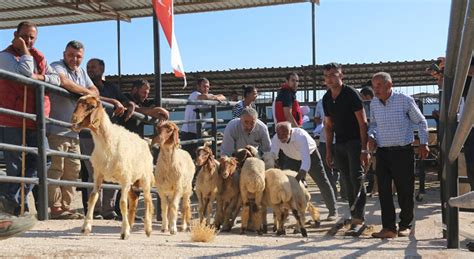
394, 148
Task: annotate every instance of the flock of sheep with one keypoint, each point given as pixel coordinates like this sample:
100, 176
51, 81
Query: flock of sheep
244, 182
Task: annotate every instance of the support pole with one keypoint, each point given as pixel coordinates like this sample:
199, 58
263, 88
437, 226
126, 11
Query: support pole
313, 33
119, 57
156, 44
41, 164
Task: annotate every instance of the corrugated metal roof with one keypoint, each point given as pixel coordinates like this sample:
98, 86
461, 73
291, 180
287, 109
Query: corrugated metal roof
404, 73
54, 12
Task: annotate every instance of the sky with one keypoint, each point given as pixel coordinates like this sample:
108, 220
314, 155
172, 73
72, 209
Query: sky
347, 31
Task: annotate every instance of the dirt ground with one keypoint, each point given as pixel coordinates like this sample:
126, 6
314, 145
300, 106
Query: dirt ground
62, 238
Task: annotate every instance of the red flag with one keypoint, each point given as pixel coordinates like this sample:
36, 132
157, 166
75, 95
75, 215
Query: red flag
165, 14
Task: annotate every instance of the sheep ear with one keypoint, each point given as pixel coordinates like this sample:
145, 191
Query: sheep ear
176, 136
95, 118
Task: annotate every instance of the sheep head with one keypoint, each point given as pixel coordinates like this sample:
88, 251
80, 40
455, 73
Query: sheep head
244, 153
227, 166
87, 114
167, 135
204, 154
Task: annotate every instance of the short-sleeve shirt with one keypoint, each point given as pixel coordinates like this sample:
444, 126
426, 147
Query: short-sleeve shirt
63, 107
190, 114
287, 98
342, 112
133, 124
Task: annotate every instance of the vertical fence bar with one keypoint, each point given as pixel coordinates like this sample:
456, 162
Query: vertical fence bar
42, 171
214, 129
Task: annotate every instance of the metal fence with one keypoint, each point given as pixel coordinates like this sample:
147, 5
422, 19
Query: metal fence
458, 54
42, 152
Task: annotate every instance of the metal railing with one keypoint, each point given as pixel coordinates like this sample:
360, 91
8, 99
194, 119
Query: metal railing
458, 54
42, 152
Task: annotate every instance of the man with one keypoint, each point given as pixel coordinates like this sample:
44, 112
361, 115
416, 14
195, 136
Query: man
139, 97
395, 160
22, 58
74, 79
367, 95
332, 173
286, 107
302, 156
189, 130
110, 93
243, 131
346, 118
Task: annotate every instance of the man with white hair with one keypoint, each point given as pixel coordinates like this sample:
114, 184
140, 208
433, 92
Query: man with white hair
395, 160
303, 156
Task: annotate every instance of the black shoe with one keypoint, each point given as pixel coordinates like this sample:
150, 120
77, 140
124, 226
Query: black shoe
97, 216
111, 216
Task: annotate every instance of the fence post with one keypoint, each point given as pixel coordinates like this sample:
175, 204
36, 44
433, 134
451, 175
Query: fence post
214, 129
42, 142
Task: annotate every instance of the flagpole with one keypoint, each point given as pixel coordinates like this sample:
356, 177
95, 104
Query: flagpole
156, 44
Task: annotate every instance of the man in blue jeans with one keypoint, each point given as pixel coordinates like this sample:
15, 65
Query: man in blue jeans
22, 58
346, 118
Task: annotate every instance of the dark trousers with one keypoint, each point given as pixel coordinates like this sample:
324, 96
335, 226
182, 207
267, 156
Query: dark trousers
13, 159
348, 162
332, 174
469, 155
397, 165
316, 172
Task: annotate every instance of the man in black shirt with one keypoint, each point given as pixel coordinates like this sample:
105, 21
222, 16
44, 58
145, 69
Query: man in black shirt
346, 118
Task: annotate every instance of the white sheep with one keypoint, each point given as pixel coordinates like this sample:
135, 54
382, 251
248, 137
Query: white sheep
252, 185
173, 176
284, 193
119, 156
207, 181
228, 196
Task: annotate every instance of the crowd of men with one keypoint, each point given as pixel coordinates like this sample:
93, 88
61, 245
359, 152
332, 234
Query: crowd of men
347, 139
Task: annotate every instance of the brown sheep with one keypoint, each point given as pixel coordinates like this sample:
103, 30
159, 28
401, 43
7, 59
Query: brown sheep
207, 181
228, 197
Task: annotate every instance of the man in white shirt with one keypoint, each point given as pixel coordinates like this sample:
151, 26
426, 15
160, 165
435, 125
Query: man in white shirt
303, 157
189, 130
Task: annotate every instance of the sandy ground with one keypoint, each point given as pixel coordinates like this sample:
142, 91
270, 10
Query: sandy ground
62, 238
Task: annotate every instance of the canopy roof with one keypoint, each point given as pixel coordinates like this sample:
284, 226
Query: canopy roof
54, 12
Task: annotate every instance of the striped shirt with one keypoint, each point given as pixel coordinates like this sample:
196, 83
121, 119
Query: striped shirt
239, 107
392, 124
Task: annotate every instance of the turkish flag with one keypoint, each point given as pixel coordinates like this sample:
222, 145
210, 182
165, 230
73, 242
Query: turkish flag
165, 14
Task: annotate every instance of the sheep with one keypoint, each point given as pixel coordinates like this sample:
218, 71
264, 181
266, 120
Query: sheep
228, 196
174, 174
119, 156
252, 185
206, 182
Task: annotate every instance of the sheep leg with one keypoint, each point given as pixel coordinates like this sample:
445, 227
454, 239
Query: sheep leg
87, 226
236, 206
300, 218
280, 221
263, 213
202, 209
173, 214
148, 209
132, 207
125, 233
209, 208
186, 211
164, 212
207, 211
245, 211
219, 213
258, 212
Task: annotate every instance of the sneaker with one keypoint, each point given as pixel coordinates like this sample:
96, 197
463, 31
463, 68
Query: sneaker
97, 216
11, 226
332, 217
111, 216
357, 227
404, 232
385, 233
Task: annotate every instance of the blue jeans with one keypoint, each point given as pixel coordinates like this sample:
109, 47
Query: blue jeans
13, 136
